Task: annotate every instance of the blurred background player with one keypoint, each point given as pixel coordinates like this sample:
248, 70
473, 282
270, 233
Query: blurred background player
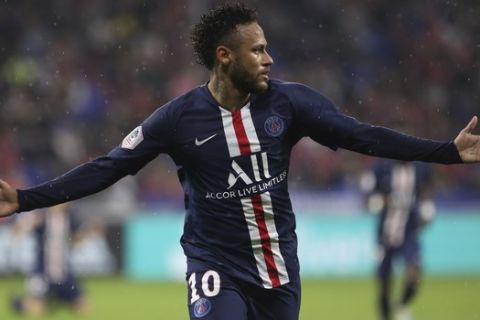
51, 281
399, 193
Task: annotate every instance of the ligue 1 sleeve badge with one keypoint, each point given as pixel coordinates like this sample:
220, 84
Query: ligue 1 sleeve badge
133, 139
274, 126
201, 308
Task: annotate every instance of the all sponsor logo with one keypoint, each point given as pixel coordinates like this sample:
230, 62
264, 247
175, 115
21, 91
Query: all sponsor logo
257, 181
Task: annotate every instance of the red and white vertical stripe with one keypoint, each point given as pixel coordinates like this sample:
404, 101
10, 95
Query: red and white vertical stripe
240, 132
242, 139
403, 196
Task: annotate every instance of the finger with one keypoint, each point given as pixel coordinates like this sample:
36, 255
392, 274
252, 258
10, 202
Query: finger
3, 188
471, 125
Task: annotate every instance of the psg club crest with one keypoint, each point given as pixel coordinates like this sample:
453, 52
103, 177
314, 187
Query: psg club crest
202, 308
274, 126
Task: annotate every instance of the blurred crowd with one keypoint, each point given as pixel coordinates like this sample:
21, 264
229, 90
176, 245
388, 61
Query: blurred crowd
76, 76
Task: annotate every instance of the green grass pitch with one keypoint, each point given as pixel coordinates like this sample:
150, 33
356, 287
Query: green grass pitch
339, 299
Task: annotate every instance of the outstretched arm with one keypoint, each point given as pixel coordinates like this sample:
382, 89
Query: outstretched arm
318, 118
467, 143
138, 148
8, 199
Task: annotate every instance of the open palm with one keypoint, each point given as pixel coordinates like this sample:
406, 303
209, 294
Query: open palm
467, 143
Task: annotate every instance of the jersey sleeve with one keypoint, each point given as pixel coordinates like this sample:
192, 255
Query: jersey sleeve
155, 135
318, 118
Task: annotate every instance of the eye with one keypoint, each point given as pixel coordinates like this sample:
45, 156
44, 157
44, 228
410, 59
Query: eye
259, 50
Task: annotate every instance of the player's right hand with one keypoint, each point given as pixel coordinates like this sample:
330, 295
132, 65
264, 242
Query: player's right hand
8, 199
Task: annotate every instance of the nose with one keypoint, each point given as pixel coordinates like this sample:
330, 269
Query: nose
267, 59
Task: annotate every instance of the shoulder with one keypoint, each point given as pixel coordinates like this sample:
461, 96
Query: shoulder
295, 91
165, 118
281, 86
173, 109
302, 98
289, 86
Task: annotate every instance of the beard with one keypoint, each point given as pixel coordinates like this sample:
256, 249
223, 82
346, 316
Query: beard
246, 81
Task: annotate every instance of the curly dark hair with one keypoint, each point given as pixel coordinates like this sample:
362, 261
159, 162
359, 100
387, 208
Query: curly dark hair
215, 27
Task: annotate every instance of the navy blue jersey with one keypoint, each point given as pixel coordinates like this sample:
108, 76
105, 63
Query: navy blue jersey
233, 167
403, 186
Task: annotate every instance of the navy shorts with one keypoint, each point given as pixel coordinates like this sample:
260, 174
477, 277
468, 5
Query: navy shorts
213, 295
409, 251
67, 291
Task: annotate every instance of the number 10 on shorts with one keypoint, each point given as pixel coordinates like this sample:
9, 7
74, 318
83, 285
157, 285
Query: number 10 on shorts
210, 285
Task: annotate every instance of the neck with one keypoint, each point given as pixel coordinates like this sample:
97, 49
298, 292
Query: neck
226, 94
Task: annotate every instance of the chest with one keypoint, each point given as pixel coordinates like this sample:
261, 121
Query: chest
217, 135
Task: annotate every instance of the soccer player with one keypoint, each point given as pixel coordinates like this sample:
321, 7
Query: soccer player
51, 280
231, 140
400, 194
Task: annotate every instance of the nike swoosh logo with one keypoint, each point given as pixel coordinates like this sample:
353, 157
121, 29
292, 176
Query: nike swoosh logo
200, 142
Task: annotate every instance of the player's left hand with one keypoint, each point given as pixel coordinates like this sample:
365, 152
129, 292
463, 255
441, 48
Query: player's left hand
467, 143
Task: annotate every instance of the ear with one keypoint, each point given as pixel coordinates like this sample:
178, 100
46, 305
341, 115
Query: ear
224, 55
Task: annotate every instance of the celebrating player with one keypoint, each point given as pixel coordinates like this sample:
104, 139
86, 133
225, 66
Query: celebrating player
231, 139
